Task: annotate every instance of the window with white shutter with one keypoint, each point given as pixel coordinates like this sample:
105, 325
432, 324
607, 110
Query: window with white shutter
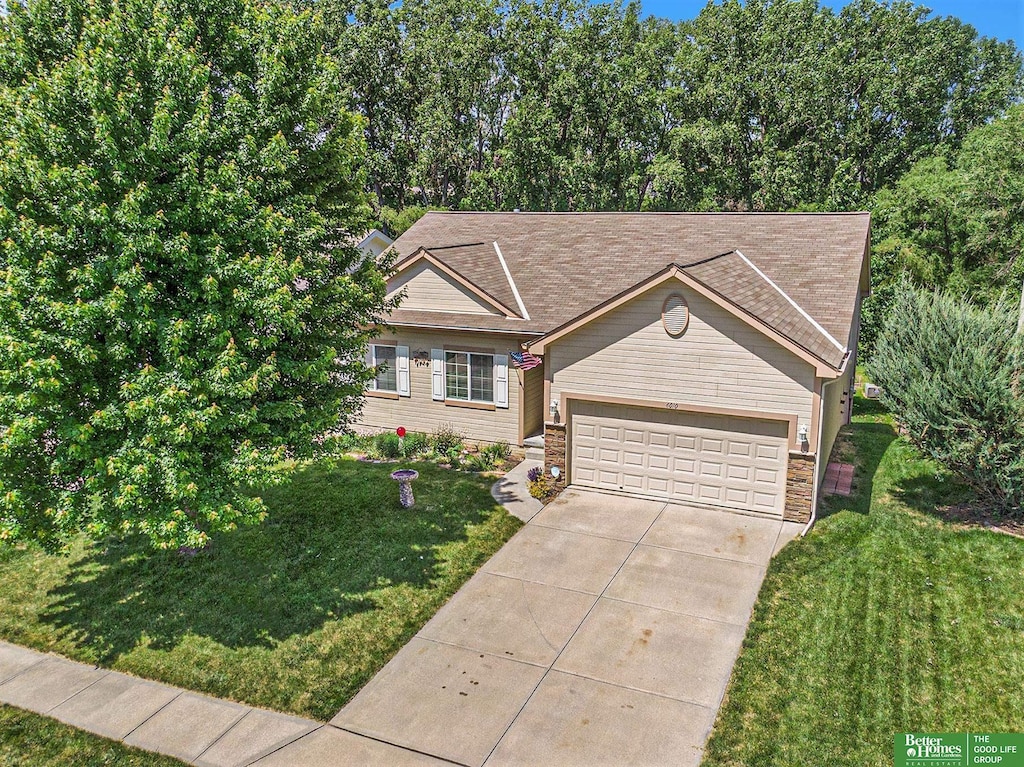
402, 370
501, 380
437, 374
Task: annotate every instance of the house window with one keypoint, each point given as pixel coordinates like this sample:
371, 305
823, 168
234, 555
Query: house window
384, 362
469, 377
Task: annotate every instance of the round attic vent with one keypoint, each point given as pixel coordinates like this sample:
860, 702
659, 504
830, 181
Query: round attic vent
675, 315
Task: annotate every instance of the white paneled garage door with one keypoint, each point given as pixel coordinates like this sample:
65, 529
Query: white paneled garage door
679, 456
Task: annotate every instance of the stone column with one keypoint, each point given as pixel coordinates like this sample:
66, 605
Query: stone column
554, 450
799, 488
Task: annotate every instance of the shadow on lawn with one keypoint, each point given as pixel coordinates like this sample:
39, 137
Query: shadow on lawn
334, 539
913, 480
862, 443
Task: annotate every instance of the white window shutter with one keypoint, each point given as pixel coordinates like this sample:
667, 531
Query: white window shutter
402, 370
501, 380
437, 373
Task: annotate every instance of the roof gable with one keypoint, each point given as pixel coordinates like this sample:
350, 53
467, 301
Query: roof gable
426, 285
677, 273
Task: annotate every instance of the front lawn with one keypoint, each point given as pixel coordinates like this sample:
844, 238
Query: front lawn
31, 739
294, 615
885, 619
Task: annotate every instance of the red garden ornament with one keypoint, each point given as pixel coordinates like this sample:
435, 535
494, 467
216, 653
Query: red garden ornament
400, 431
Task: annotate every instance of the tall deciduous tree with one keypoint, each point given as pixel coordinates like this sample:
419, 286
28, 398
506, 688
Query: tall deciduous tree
174, 321
955, 220
754, 104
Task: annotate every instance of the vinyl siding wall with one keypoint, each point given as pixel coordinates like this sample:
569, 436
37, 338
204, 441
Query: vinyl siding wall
533, 401
428, 289
420, 412
833, 417
719, 361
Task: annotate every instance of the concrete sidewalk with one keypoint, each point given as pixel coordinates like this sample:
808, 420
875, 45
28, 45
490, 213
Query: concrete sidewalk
195, 728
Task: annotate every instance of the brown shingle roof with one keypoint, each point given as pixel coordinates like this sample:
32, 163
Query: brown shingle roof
564, 264
478, 263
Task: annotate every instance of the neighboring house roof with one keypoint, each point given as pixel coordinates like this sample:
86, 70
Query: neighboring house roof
799, 274
363, 240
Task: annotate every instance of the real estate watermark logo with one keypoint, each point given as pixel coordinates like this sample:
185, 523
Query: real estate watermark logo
961, 749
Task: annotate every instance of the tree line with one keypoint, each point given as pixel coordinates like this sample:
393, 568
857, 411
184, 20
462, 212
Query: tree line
566, 105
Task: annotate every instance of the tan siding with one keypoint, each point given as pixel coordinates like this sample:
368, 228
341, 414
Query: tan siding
419, 412
429, 289
833, 416
533, 400
719, 361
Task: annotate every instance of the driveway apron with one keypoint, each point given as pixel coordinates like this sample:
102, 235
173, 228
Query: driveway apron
603, 633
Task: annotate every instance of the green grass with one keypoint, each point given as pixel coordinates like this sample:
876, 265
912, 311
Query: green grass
30, 739
883, 620
295, 614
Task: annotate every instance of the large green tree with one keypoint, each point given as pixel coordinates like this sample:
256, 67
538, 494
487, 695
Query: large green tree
955, 221
179, 313
566, 104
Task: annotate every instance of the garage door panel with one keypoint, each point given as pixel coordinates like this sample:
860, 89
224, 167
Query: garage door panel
712, 459
630, 458
659, 439
712, 469
684, 465
657, 485
631, 481
684, 490
739, 448
683, 442
735, 471
658, 461
710, 445
738, 497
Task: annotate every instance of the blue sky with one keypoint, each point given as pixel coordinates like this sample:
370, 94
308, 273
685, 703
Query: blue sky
1003, 19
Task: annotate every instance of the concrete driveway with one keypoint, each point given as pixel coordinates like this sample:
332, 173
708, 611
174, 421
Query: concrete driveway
603, 633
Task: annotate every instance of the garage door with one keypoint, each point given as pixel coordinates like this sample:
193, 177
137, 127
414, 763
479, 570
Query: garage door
686, 457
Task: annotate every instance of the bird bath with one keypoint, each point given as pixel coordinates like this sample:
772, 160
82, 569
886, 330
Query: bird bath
404, 478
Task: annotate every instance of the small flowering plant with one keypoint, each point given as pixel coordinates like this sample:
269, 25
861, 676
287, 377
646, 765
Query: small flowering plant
541, 485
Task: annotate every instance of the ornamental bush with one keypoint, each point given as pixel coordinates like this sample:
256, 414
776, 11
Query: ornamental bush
951, 374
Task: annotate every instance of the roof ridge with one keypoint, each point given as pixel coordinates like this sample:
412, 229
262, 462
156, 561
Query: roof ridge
794, 304
461, 245
512, 283
705, 260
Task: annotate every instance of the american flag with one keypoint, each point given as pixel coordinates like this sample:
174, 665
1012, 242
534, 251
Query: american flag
525, 360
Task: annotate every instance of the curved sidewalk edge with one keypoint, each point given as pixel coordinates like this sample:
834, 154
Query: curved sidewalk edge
512, 493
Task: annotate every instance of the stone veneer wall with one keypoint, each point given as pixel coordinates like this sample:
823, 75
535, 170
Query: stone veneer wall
799, 488
554, 449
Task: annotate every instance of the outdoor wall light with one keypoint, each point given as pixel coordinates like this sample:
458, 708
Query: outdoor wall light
801, 432
553, 407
